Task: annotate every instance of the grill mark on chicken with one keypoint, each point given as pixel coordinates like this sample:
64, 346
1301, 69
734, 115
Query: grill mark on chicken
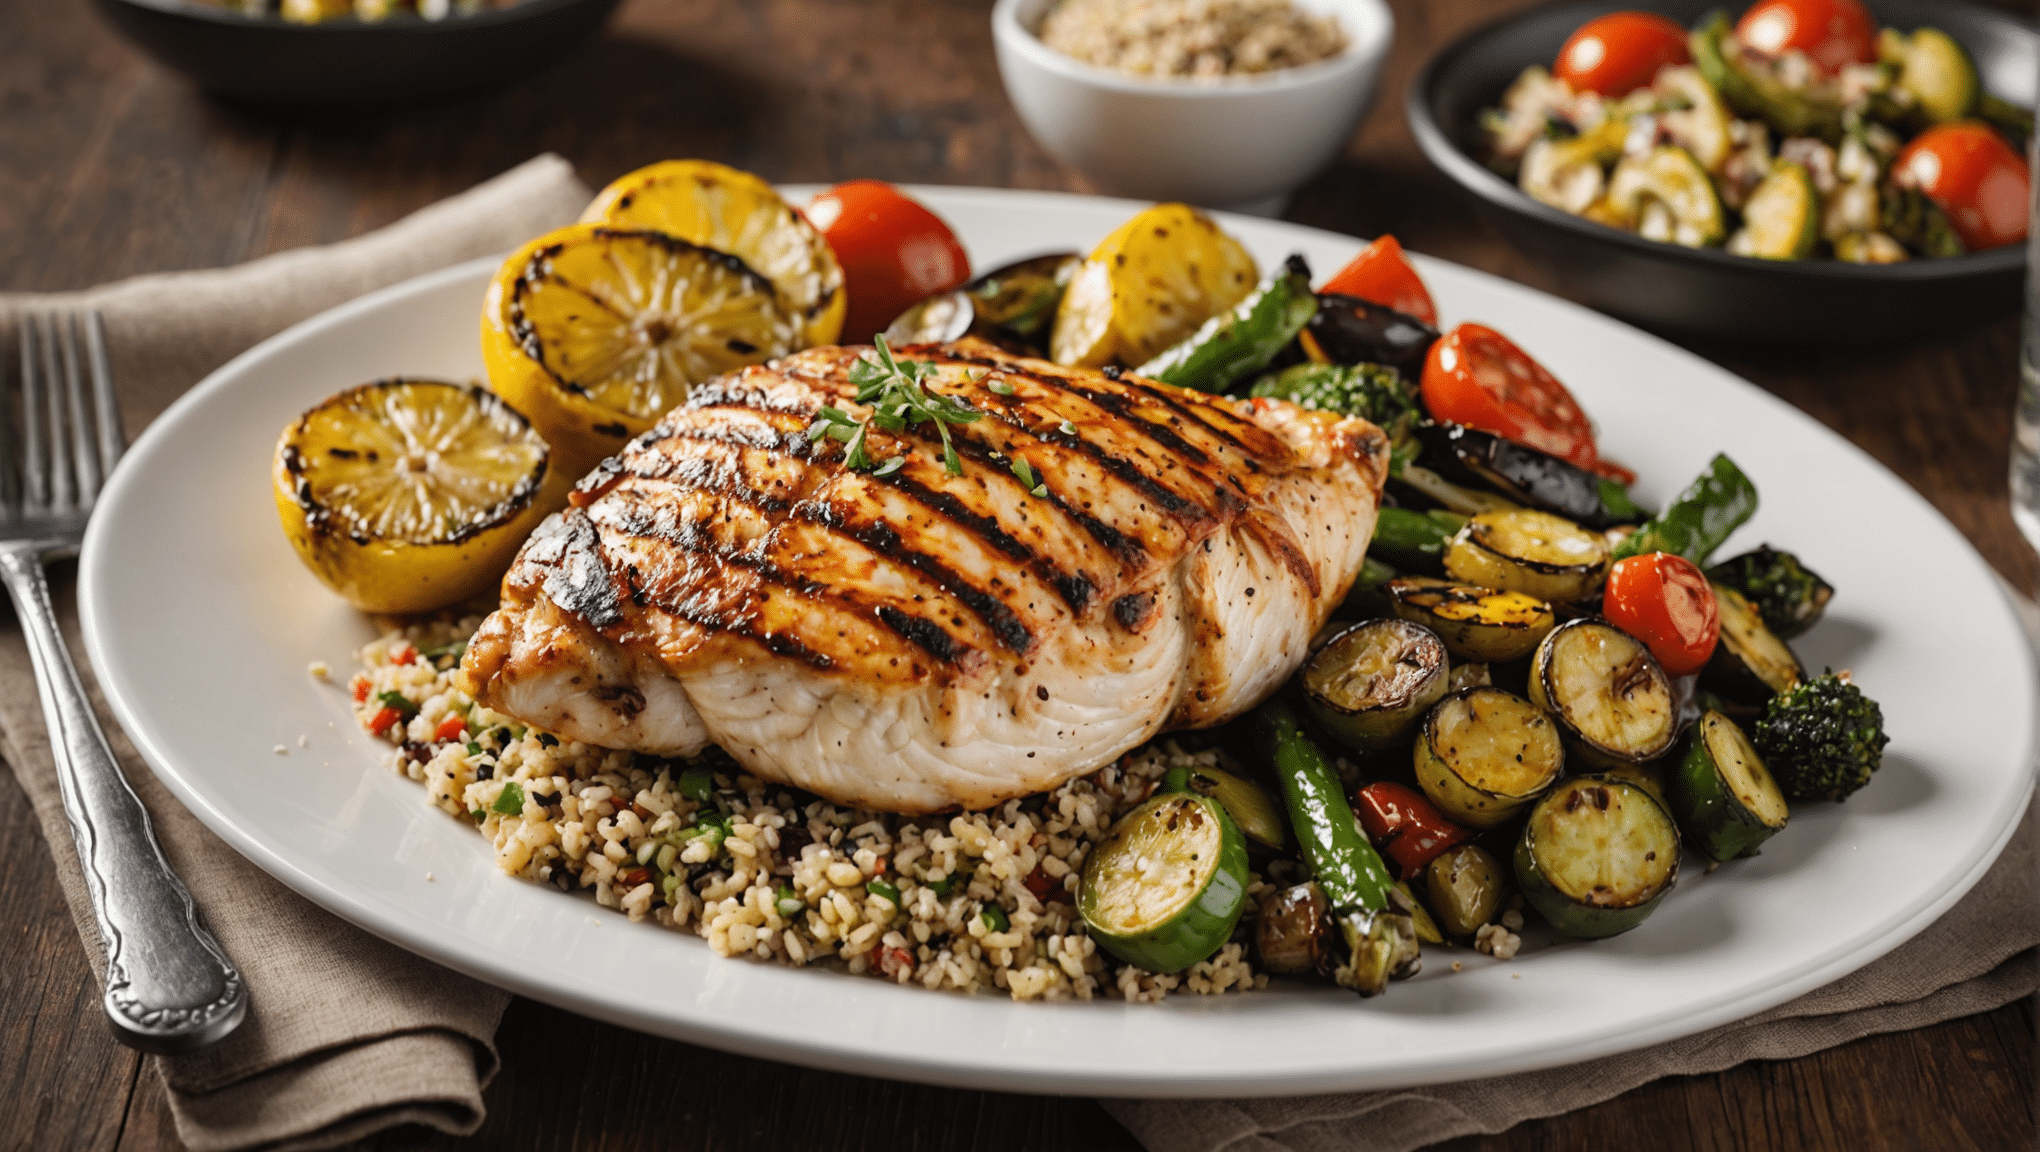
1073, 587
689, 536
885, 540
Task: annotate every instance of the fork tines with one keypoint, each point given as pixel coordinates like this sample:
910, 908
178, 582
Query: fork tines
63, 434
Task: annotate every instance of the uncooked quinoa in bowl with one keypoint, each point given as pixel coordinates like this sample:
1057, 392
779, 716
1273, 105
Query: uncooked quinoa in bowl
1202, 39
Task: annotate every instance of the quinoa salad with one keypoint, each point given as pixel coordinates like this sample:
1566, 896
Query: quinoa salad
1200, 39
973, 901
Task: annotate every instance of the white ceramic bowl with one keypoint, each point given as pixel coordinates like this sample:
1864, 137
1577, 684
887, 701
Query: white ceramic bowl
1240, 142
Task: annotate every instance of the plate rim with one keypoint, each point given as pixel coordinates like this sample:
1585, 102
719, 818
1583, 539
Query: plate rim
845, 1055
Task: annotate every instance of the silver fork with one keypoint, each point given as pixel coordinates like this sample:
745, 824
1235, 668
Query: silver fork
169, 985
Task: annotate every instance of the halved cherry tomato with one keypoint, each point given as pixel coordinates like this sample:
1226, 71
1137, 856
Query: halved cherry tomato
1831, 33
1665, 601
1405, 825
1618, 53
894, 252
1475, 376
1381, 274
1975, 177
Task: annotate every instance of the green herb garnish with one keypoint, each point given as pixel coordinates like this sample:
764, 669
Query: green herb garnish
1025, 472
898, 400
879, 887
696, 784
510, 801
995, 918
789, 902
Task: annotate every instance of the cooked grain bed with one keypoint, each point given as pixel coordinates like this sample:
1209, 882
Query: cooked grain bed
1204, 39
785, 881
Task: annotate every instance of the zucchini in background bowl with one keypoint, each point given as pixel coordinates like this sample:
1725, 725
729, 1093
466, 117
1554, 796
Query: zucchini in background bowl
1597, 856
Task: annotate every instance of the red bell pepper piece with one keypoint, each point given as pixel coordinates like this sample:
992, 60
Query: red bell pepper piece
1405, 825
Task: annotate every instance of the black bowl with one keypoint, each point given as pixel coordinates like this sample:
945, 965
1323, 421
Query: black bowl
1704, 290
348, 62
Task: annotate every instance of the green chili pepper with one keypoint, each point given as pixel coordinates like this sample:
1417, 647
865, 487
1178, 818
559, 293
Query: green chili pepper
1378, 939
1697, 522
1234, 345
510, 801
1414, 540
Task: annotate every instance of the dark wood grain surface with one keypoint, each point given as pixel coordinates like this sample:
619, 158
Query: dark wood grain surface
111, 166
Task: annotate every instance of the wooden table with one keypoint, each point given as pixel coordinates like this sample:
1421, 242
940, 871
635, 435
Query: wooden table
113, 166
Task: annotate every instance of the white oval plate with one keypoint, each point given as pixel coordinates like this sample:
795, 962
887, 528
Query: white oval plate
201, 623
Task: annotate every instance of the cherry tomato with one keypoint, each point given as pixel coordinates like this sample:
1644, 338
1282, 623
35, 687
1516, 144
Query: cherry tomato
894, 252
1831, 33
1665, 601
1476, 377
1404, 824
1618, 53
1381, 274
1975, 177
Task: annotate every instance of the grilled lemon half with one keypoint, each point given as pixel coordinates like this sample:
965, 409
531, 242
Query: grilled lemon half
410, 495
1147, 286
594, 332
732, 211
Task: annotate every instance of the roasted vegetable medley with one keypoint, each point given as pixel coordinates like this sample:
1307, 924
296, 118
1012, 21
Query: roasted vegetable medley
1802, 130
1537, 692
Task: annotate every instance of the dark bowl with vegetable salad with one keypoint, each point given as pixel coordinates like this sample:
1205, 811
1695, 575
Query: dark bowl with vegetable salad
1711, 291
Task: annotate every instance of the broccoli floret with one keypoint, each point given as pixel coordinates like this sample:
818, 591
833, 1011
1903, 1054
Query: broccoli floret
1375, 392
1821, 738
1786, 593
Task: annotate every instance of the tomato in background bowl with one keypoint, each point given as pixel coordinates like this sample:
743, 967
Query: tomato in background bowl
1831, 33
894, 252
1969, 171
1618, 53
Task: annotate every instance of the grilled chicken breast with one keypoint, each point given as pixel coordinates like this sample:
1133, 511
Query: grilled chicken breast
920, 641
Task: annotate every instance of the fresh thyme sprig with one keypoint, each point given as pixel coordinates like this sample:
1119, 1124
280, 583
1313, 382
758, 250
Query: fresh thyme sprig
898, 400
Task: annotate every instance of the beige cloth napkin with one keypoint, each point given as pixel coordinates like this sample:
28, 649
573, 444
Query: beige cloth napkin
345, 1034
1982, 954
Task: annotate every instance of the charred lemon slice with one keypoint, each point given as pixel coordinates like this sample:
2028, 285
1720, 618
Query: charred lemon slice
409, 495
1149, 284
594, 333
731, 211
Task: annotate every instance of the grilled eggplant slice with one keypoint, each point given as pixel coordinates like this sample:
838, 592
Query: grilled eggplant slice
1750, 664
1371, 683
1464, 887
1349, 330
1523, 474
1531, 552
1475, 623
1723, 796
1597, 856
1607, 692
1786, 593
1483, 754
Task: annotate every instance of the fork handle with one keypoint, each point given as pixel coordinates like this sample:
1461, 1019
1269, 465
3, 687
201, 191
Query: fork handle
169, 985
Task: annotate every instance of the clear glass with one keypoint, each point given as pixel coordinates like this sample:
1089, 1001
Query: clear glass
2026, 414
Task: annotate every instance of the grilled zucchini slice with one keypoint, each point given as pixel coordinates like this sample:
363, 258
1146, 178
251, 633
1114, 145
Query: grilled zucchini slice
1531, 552
1167, 884
1370, 684
1483, 754
1722, 794
1597, 856
1478, 624
1750, 664
1610, 697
